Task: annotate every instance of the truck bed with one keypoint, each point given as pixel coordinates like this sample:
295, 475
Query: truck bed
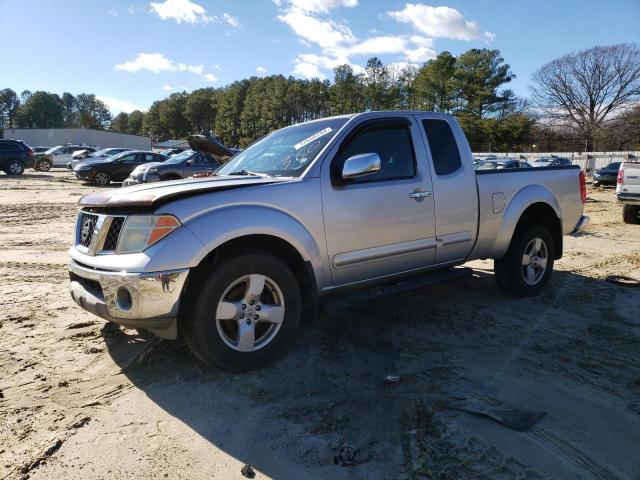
504, 194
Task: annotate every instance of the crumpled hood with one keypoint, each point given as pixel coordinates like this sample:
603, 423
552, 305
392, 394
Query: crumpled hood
153, 194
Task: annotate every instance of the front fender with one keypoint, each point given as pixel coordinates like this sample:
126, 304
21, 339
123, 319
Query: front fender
218, 226
520, 201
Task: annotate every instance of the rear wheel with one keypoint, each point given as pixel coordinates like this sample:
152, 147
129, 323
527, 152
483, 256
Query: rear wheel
15, 167
102, 178
244, 314
44, 165
528, 263
630, 213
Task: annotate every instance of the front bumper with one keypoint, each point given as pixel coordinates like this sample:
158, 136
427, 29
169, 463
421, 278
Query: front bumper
83, 174
139, 300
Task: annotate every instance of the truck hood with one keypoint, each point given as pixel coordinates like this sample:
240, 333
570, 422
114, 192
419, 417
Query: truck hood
153, 194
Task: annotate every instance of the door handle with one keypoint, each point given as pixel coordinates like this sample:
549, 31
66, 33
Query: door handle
419, 195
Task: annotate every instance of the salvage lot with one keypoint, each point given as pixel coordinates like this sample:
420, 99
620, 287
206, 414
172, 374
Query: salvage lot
82, 399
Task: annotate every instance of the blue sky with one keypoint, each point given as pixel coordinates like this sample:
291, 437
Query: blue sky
132, 52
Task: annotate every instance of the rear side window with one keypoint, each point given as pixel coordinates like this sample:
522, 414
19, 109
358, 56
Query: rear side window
393, 145
444, 149
9, 147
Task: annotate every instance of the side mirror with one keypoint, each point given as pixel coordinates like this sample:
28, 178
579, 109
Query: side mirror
361, 165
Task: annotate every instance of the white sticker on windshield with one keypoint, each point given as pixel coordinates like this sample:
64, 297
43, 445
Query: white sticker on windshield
313, 137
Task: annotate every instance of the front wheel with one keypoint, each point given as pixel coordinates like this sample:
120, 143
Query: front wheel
528, 263
102, 178
15, 167
44, 165
245, 312
630, 213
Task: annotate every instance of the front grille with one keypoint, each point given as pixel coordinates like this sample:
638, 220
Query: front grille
87, 226
111, 240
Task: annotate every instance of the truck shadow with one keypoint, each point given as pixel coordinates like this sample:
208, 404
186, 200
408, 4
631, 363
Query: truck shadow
327, 409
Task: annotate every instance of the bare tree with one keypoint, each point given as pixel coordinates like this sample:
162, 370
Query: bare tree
587, 88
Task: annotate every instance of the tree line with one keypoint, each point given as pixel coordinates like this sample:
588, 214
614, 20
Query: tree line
586, 100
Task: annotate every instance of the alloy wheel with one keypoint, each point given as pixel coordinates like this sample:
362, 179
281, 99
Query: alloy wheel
250, 313
534, 261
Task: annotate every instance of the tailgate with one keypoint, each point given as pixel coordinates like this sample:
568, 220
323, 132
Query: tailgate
630, 179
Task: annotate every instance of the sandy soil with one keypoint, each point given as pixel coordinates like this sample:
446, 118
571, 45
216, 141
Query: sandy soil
82, 399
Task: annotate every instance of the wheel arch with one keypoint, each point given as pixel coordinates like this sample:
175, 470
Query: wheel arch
271, 244
533, 204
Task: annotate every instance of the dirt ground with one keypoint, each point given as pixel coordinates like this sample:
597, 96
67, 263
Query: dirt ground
81, 399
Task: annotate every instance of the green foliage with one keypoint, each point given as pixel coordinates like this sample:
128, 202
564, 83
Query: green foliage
41, 110
9, 103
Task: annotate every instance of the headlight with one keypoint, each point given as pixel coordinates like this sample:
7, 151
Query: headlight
141, 231
82, 167
152, 170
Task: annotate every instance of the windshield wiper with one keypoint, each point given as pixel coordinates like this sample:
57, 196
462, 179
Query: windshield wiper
248, 173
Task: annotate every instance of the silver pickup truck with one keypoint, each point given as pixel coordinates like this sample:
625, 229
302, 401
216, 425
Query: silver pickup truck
235, 261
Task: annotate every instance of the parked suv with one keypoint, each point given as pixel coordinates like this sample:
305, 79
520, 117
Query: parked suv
103, 171
15, 156
58, 156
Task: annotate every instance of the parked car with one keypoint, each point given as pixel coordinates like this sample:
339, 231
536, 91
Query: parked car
103, 171
205, 156
15, 156
309, 210
551, 162
628, 191
104, 153
501, 164
37, 150
607, 175
182, 165
57, 156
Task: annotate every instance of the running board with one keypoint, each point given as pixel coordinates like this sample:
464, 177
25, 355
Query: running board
341, 301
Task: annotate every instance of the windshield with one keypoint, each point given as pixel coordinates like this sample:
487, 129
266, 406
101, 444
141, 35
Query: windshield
181, 157
286, 152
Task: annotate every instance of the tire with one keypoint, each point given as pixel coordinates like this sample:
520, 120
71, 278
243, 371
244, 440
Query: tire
44, 165
515, 277
102, 178
15, 168
217, 327
630, 213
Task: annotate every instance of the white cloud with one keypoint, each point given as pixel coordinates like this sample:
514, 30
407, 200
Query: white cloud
231, 20
325, 33
420, 54
440, 22
379, 45
156, 63
181, 11
113, 13
261, 69
322, 6
116, 105
308, 70
131, 10
210, 77
168, 88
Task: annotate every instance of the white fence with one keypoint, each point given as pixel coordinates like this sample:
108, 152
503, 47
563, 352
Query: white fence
588, 161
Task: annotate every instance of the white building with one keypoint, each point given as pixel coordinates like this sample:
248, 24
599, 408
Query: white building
51, 137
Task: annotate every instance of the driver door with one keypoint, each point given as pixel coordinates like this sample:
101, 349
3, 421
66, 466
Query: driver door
383, 223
